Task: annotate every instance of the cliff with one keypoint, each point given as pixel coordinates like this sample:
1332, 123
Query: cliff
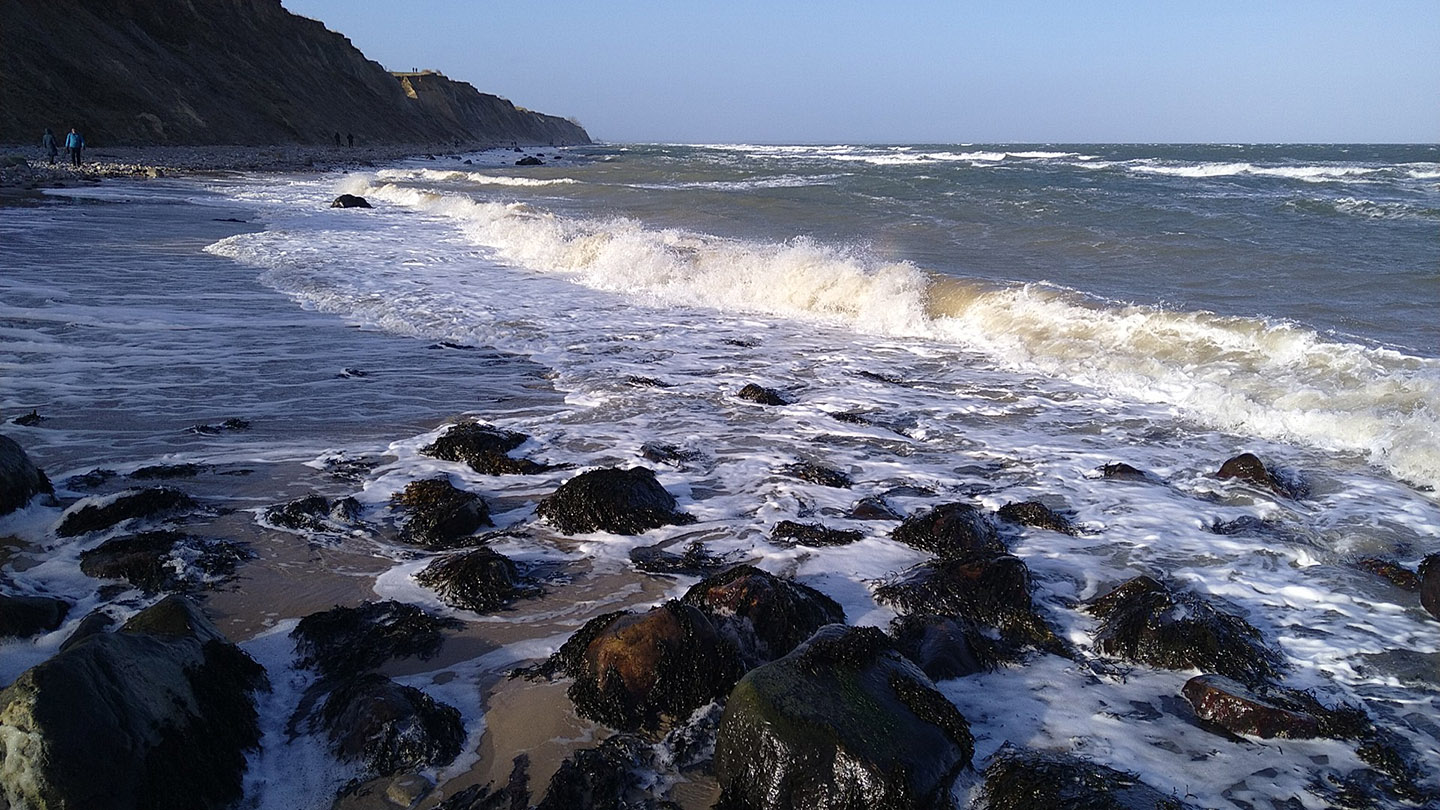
243, 72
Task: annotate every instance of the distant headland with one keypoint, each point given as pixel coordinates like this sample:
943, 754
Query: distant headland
237, 72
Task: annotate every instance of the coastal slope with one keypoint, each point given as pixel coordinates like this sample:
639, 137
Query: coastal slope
243, 72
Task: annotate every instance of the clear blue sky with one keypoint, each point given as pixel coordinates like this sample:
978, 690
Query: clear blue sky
926, 70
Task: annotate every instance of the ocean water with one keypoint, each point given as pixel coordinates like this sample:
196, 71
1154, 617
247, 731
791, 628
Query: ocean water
993, 323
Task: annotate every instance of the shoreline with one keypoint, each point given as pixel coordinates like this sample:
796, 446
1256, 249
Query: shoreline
25, 168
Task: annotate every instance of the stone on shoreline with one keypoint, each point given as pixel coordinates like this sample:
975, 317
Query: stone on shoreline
761, 395
164, 560
157, 715
390, 728
345, 641
1036, 514
1024, 779
25, 616
762, 615
144, 504
440, 516
843, 722
619, 501
790, 533
817, 474
1142, 620
1249, 468
949, 530
943, 646
20, 479
1430, 584
482, 580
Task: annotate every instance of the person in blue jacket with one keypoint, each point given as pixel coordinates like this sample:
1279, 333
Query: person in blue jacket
52, 146
74, 142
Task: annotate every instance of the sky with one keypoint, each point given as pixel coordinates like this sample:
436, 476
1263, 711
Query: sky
930, 71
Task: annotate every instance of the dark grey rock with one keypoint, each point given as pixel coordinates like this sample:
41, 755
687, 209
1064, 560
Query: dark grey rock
344, 641
949, 530
20, 479
761, 395
1023, 779
390, 728
441, 516
350, 201
619, 501
482, 580
146, 504
24, 616
170, 734
763, 615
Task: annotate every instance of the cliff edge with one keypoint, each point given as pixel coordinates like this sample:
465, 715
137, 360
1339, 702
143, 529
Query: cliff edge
243, 72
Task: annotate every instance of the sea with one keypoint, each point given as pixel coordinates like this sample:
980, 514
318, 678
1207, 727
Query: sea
984, 323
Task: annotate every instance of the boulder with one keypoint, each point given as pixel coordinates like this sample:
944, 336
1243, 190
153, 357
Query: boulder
844, 722
158, 715
145, 504
817, 474
441, 516
951, 530
529, 160
25, 616
1022, 779
20, 479
345, 641
389, 728
1429, 575
943, 646
350, 201
315, 513
1142, 620
789, 533
634, 670
1249, 468
484, 449
762, 615
619, 501
761, 395
164, 560
1037, 514
989, 589
601, 778
482, 580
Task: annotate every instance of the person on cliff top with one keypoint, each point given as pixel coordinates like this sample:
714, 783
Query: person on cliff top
74, 142
337, 139
52, 146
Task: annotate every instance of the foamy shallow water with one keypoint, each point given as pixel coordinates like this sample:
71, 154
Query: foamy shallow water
998, 394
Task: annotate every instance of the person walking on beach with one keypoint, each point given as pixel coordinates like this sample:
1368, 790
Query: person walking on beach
52, 146
350, 139
74, 142
337, 138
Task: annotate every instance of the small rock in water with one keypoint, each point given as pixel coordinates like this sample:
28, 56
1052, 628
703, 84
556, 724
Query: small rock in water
167, 471
1143, 620
315, 513
350, 201
353, 373
164, 560
1119, 470
89, 480
607, 776
1023, 779
669, 454
817, 474
987, 588
1249, 468
646, 382
1037, 514
761, 395
389, 728
1399, 575
25, 616
763, 615
873, 507
441, 516
484, 448
695, 561
789, 533
634, 670
29, 420
482, 580
345, 641
145, 504
1230, 705
529, 160
619, 501
843, 715
950, 530
944, 646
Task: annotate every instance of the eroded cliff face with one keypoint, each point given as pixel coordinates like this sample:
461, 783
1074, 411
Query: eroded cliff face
226, 72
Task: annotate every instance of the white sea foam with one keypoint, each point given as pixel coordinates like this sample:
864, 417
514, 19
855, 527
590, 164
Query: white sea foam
474, 178
1313, 174
1268, 379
